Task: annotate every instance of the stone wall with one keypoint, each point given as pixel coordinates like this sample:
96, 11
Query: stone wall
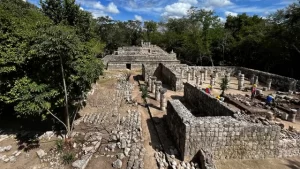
170, 78
122, 66
226, 137
204, 104
278, 82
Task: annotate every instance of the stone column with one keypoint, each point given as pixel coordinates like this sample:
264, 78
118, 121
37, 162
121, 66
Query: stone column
149, 83
269, 83
193, 73
292, 85
153, 79
239, 73
252, 79
241, 81
205, 74
163, 101
188, 75
256, 80
182, 72
292, 115
216, 74
200, 76
158, 85
227, 77
197, 80
212, 80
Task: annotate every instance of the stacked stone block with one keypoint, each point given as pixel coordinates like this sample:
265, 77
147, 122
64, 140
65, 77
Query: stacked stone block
226, 137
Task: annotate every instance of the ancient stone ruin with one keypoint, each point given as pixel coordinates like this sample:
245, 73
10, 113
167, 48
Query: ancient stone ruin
134, 56
237, 128
231, 129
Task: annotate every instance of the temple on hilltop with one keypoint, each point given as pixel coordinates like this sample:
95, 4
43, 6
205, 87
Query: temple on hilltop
133, 57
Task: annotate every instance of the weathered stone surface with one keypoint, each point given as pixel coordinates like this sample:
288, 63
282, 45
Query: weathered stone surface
117, 164
41, 153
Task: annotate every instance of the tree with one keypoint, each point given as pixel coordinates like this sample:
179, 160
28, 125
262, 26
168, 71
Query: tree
151, 28
53, 9
224, 85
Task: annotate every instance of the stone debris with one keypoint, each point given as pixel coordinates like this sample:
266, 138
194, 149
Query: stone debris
117, 164
162, 163
41, 153
6, 148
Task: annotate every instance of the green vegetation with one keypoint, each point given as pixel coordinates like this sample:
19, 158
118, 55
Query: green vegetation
68, 157
224, 85
45, 63
59, 145
144, 90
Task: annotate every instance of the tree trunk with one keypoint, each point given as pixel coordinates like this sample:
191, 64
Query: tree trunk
67, 116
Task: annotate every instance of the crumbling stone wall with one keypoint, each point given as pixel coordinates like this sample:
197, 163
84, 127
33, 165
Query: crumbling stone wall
226, 137
171, 78
278, 82
205, 104
122, 66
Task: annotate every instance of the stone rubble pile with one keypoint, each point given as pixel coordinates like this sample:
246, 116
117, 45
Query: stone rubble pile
92, 142
10, 158
162, 163
125, 88
286, 134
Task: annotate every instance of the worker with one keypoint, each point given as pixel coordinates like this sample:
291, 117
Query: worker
269, 99
208, 89
253, 91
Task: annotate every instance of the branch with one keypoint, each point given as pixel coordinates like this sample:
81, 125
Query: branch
296, 48
58, 119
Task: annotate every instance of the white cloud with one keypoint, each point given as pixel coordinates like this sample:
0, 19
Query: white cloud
98, 5
230, 13
217, 3
176, 10
112, 8
138, 18
97, 8
223, 20
192, 2
180, 8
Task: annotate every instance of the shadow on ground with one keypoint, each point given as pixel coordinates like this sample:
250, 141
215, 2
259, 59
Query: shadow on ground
293, 164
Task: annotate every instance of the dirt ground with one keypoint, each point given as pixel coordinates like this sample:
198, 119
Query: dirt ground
151, 139
27, 159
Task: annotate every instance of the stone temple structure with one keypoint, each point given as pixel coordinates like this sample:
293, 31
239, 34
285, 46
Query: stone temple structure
228, 129
134, 56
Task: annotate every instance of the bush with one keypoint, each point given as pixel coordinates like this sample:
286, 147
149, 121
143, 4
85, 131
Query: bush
68, 158
144, 91
224, 85
59, 145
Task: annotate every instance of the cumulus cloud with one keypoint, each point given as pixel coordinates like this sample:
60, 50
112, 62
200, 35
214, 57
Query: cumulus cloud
192, 2
176, 10
217, 3
97, 8
227, 13
181, 7
112, 8
223, 20
138, 18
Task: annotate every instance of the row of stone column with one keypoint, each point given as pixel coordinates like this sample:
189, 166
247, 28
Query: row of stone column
253, 80
156, 88
202, 76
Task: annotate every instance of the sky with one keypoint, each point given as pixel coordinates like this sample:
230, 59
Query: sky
157, 10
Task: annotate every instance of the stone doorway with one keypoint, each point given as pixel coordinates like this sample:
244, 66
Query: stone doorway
128, 66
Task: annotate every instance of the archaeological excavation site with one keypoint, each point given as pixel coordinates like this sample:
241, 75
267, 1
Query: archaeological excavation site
150, 111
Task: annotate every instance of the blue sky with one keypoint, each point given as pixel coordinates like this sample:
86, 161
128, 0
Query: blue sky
159, 9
